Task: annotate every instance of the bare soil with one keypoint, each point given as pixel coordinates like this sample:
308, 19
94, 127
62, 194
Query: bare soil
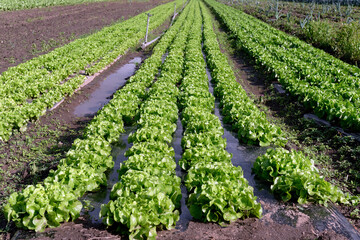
26, 34
247, 229
267, 228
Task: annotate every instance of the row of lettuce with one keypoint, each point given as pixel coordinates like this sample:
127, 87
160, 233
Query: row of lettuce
218, 190
148, 193
292, 175
30, 88
83, 169
322, 82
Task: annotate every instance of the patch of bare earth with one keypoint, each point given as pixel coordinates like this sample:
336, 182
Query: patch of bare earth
26, 34
267, 228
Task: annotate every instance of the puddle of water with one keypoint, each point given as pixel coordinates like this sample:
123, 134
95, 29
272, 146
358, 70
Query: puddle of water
107, 88
164, 57
185, 216
103, 196
25, 235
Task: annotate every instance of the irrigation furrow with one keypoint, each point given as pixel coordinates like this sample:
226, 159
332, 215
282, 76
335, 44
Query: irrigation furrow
148, 193
218, 190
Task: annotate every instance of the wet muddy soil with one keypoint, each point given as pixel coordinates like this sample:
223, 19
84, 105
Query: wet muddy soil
26, 34
102, 94
242, 229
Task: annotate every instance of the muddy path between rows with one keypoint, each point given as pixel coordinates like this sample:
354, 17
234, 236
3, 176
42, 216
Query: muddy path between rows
26, 34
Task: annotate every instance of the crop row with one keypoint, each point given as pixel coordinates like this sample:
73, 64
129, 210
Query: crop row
30, 88
83, 169
148, 193
239, 110
218, 190
293, 175
323, 82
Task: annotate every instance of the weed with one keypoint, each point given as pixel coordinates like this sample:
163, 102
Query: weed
11, 60
29, 20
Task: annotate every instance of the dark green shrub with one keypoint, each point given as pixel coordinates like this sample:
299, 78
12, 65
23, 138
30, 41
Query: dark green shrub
320, 34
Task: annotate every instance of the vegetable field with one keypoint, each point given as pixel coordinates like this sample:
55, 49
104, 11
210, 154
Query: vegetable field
202, 156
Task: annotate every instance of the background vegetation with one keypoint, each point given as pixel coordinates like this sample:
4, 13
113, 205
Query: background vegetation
333, 26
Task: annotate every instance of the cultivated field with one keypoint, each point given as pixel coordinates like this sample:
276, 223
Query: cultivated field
223, 128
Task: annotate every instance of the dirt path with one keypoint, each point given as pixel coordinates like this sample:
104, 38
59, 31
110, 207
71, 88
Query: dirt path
243, 229
26, 34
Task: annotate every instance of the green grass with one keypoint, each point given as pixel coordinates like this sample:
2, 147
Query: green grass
27, 158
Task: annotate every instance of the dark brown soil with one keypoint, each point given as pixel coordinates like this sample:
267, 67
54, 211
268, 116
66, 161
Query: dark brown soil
266, 228
251, 80
26, 34
247, 229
